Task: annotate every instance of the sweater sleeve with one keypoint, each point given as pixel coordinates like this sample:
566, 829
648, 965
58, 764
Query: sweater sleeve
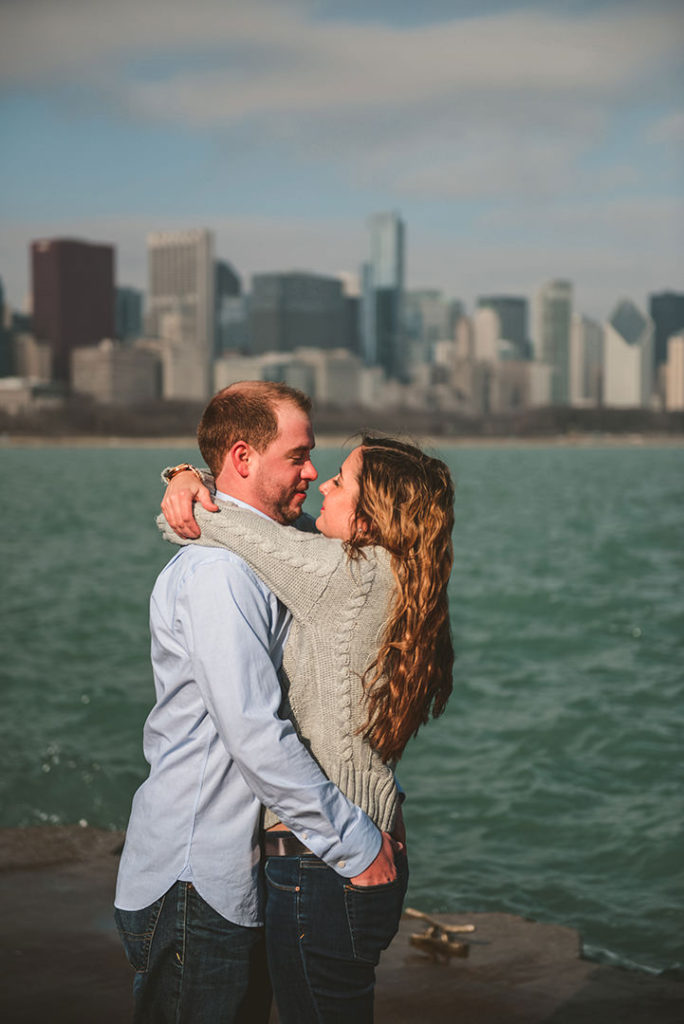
298, 567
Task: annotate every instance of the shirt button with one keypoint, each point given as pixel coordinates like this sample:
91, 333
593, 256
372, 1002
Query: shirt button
341, 863
305, 835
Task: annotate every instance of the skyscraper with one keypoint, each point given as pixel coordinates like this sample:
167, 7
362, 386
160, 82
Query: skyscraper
129, 313
228, 283
6, 353
426, 320
674, 373
586, 361
383, 295
552, 319
180, 309
628, 357
512, 313
667, 313
73, 297
294, 310
228, 304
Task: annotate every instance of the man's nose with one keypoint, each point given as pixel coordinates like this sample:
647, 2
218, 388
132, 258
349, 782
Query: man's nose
309, 471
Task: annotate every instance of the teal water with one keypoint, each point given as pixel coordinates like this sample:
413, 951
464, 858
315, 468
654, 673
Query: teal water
552, 787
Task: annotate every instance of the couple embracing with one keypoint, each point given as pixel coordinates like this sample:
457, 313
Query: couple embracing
291, 668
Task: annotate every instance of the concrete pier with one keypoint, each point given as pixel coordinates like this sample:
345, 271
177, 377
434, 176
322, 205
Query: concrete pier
62, 962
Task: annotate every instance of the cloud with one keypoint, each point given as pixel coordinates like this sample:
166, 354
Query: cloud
525, 110
349, 63
467, 107
669, 129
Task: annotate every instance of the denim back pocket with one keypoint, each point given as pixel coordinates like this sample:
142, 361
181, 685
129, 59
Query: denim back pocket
137, 928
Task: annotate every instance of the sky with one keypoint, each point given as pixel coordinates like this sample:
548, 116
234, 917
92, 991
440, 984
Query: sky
519, 141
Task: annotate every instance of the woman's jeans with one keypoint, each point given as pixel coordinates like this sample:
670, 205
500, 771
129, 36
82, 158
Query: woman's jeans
324, 937
192, 966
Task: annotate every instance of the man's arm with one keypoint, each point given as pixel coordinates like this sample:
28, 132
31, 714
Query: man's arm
225, 619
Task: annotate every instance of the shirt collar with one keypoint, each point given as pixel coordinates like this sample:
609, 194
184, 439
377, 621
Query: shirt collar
222, 496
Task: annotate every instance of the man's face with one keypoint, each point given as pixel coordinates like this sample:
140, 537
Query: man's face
282, 473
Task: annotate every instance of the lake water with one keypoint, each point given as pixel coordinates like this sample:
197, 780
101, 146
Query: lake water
552, 787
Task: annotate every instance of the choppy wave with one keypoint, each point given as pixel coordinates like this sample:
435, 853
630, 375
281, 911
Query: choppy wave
551, 788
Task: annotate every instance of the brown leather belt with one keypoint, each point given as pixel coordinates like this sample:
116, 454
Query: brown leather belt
282, 844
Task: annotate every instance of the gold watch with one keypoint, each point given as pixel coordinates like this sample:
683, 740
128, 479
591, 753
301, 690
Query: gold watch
171, 471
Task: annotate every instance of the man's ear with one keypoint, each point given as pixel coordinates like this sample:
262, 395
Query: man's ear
240, 456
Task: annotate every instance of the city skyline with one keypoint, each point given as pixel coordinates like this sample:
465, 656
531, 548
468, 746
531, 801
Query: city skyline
519, 142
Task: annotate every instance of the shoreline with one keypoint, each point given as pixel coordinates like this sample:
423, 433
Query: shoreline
62, 954
337, 440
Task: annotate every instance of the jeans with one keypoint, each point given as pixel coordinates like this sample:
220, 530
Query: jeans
324, 937
192, 966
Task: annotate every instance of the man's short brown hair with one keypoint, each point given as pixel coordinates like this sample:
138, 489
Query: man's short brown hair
245, 411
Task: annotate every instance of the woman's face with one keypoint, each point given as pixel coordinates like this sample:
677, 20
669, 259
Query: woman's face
341, 495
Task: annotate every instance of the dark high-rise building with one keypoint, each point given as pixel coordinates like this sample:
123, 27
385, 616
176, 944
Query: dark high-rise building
352, 326
6, 349
295, 309
129, 314
73, 297
667, 314
382, 298
512, 313
227, 304
228, 283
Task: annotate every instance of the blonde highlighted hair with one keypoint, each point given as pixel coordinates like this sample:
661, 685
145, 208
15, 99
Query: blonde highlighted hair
405, 504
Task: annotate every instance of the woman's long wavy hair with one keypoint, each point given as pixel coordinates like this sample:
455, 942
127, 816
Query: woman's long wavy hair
406, 505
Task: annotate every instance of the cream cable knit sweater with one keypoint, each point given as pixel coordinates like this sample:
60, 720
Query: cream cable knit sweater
339, 607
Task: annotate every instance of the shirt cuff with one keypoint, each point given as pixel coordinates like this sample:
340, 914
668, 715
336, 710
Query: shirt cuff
350, 854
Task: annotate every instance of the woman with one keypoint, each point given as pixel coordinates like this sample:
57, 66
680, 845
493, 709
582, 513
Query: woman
368, 659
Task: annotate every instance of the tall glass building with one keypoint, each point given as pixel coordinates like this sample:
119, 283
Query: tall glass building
667, 314
552, 323
382, 297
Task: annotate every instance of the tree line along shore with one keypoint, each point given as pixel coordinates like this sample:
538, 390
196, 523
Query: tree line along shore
170, 419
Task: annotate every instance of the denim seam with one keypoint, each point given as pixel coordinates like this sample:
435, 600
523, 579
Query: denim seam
153, 930
184, 933
179, 938
298, 897
350, 923
148, 937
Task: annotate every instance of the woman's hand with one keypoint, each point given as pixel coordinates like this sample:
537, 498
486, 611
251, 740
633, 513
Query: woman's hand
383, 869
181, 492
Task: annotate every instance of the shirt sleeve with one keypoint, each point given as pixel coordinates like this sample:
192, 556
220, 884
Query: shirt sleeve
226, 620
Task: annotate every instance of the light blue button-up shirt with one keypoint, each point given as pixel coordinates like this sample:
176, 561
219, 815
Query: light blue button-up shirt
218, 750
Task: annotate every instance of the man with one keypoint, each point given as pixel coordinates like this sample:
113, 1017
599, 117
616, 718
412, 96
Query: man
188, 901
